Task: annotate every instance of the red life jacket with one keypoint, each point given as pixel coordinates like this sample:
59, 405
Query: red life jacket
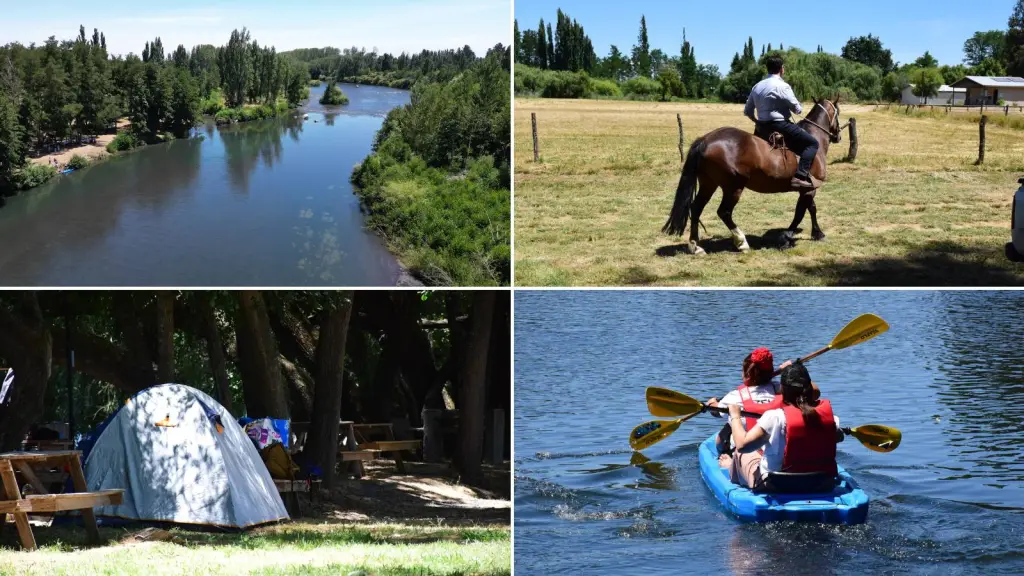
750, 406
810, 448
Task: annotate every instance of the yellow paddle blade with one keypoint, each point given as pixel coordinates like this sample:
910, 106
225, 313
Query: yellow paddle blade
663, 402
650, 433
860, 329
877, 437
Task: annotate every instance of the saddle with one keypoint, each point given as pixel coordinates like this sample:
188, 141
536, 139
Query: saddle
775, 139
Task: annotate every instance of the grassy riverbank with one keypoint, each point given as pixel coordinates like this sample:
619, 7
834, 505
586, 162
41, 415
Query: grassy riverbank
912, 210
437, 184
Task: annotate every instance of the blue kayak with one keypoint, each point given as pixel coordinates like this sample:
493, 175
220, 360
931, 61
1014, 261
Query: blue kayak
845, 504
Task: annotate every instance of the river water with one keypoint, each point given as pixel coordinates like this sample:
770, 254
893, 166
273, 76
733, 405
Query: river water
949, 374
265, 203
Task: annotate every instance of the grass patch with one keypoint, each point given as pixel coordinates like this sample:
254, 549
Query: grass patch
996, 116
212, 104
912, 210
448, 230
301, 547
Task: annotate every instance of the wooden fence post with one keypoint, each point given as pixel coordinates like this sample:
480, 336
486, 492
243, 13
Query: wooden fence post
981, 145
536, 150
682, 150
852, 155
1007, 110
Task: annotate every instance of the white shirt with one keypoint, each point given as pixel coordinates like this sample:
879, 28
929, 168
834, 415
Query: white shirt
773, 422
773, 99
762, 394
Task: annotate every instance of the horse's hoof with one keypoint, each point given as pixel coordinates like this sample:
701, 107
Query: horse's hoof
818, 236
744, 249
787, 241
696, 250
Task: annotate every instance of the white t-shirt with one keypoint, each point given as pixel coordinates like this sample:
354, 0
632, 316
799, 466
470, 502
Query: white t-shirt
773, 422
762, 394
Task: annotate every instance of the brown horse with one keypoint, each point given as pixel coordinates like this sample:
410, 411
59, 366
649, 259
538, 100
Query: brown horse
733, 160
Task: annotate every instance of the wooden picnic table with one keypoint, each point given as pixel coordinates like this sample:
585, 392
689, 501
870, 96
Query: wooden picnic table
12, 501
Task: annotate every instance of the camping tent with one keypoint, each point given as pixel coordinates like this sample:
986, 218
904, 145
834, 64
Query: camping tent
180, 457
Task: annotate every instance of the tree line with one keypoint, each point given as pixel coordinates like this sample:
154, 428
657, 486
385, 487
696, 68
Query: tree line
367, 356
64, 90
864, 70
438, 181
356, 65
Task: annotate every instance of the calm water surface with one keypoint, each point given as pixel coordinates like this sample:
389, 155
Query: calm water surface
258, 203
949, 374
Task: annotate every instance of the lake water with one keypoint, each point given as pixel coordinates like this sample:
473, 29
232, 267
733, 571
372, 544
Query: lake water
949, 374
264, 203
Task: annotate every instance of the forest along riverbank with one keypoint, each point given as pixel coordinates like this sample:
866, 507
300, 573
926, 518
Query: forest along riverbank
950, 500
256, 203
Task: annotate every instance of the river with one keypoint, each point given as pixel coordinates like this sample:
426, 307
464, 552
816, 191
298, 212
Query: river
949, 374
263, 203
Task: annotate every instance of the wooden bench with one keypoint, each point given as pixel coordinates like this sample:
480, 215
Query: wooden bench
396, 447
290, 490
12, 502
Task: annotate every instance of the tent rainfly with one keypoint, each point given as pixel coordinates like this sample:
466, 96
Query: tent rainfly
180, 457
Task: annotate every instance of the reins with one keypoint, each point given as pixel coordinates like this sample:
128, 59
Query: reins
823, 129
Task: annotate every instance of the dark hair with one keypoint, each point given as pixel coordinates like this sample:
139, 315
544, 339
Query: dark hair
798, 391
753, 374
774, 64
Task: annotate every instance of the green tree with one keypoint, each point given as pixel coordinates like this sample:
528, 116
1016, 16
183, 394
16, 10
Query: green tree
180, 57
12, 137
989, 67
984, 45
642, 52
926, 61
951, 74
184, 102
688, 66
543, 58
893, 85
517, 42
236, 68
926, 83
298, 78
868, 50
1014, 57
615, 66
671, 86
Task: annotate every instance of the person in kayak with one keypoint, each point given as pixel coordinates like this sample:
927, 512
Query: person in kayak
800, 436
758, 393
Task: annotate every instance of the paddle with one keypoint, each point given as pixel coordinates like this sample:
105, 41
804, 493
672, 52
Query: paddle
664, 402
860, 329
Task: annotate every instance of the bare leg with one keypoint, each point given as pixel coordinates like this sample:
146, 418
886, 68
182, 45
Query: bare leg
704, 193
729, 202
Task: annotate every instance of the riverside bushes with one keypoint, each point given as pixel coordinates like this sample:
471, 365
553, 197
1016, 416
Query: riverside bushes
247, 113
437, 185
124, 141
333, 96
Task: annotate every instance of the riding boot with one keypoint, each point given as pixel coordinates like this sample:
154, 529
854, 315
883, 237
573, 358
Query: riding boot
805, 183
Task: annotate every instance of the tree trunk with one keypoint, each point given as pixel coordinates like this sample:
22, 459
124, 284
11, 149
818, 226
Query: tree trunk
262, 385
27, 343
472, 394
165, 336
330, 369
214, 348
499, 365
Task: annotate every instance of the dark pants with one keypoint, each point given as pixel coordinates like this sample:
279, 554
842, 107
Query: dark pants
798, 140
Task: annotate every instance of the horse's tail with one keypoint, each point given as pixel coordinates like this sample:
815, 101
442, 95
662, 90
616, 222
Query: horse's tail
676, 224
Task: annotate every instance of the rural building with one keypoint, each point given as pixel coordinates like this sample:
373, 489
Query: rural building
989, 90
947, 96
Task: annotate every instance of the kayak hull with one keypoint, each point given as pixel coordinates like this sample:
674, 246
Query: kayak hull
846, 504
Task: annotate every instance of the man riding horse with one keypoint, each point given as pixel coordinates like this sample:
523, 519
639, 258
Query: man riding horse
734, 159
775, 102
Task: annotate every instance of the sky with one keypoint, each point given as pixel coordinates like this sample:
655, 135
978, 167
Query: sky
390, 25
719, 29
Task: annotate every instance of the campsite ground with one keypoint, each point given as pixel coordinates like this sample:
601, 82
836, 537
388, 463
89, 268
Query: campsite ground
419, 523
912, 210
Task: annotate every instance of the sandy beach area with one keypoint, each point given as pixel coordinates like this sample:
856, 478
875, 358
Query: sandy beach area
90, 151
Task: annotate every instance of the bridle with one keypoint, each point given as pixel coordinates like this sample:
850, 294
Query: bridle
833, 136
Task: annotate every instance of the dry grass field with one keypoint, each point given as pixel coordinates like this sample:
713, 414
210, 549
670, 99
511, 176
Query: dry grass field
913, 210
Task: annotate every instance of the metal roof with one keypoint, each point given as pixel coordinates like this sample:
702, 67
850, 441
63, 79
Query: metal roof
992, 81
943, 88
